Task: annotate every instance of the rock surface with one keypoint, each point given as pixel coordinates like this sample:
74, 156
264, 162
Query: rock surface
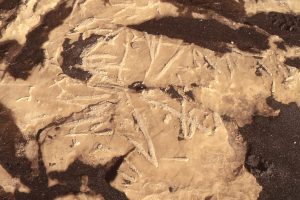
149, 99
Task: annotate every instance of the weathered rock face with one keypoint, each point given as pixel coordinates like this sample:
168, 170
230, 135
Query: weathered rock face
145, 99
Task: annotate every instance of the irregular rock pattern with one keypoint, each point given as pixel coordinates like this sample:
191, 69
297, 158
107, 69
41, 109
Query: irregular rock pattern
149, 99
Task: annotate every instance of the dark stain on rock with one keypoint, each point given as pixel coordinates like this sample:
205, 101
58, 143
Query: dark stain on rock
209, 197
113, 169
286, 26
69, 181
230, 9
190, 94
8, 48
138, 86
113, 166
293, 61
209, 65
134, 119
32, 53
10, 137
126, 182
180, 136
9, 4
172, 92
71, 57
260, 69
194, 85
8, 12
226, 118
208, 33
281, 45
273, 151
172, 189
258, 57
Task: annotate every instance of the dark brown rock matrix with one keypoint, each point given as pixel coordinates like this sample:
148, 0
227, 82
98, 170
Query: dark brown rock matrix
273, 151
32, 53
71, 57
203, 32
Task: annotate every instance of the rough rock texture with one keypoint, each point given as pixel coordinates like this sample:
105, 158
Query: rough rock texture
149, 99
